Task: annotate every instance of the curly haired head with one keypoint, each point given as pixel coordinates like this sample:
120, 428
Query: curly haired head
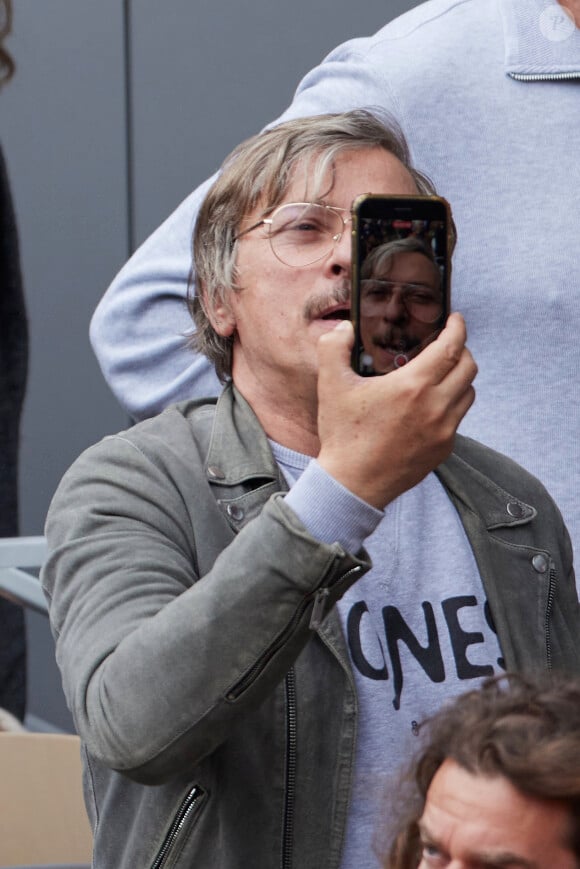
525, 730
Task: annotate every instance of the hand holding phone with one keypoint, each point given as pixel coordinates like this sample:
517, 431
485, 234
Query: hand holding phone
379, 436
400, 282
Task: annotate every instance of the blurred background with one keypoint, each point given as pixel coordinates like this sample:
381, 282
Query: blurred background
116, 112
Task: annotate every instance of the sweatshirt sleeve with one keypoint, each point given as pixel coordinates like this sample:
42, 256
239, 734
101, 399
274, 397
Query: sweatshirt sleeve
139, 329
330, 512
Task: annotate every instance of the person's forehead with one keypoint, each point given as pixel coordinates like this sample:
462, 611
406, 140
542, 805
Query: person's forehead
414, 260
352, 171
479, 817
374, 170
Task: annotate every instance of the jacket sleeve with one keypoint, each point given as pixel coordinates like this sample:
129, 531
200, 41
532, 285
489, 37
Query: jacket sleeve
159, 663
137, 331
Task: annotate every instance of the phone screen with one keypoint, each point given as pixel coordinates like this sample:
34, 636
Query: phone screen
400, 279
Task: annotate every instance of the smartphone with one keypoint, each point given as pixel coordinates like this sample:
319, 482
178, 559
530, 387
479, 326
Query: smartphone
401, 272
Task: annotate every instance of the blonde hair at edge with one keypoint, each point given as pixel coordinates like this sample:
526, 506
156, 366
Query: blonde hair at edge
260, 171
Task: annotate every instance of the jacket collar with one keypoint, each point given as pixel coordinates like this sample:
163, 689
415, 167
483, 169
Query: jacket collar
541, 40
478, 493
238, 450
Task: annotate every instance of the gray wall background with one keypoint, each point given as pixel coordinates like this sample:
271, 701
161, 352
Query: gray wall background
119, 109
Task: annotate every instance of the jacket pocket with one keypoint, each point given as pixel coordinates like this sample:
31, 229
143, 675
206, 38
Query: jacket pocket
179, 829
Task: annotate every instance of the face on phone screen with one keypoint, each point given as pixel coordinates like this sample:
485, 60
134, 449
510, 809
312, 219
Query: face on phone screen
402, 296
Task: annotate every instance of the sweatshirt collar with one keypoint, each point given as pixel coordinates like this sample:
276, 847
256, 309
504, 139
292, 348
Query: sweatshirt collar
541, 40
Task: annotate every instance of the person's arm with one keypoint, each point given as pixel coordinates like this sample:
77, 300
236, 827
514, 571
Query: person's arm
138, 328
166, 632
139, 331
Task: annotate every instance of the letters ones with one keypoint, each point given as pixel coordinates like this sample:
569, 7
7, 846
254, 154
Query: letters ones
429, 656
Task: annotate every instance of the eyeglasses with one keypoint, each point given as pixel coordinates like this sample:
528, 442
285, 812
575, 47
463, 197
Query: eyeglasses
302, 233
421, 301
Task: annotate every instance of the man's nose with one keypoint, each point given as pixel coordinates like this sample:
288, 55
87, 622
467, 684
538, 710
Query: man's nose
341, 256
393, 308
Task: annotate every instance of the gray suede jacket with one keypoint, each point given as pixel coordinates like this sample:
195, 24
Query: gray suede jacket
218, 720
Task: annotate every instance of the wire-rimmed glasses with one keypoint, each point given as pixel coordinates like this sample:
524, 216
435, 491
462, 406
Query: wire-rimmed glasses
422, 302
301, 233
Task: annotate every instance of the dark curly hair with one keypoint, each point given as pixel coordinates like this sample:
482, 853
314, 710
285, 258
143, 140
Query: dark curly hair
526, 730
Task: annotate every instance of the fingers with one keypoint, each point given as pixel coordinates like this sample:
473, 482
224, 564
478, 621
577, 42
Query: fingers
334, 349
464, 403
443, 355
453, 377
435, 362
460, 377
445, 362
342, 336
380, 436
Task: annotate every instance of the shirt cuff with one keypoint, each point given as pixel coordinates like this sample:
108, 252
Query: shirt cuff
329, 511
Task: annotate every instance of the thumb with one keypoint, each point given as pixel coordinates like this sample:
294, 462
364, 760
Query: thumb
334, 349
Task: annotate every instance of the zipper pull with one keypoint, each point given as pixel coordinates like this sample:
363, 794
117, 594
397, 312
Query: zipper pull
319, 608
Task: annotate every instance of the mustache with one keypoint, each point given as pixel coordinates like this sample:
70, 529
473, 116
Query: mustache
399, 340
317, 305
395, 338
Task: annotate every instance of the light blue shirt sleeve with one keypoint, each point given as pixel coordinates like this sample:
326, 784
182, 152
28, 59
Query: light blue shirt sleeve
329, 511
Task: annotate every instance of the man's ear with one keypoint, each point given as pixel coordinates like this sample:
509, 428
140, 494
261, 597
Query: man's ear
220, 316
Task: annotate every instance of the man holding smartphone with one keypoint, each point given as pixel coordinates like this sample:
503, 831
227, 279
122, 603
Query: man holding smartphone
486, 92
256, 600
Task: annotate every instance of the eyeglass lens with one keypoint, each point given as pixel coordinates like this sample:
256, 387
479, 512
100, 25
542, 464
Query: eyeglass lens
420, 301
302, 233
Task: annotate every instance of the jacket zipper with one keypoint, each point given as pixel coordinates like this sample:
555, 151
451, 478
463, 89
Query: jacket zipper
318, 596
547, 632
291, 753
184, 811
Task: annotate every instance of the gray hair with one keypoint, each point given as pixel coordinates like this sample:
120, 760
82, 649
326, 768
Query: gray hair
260, 170
380, 257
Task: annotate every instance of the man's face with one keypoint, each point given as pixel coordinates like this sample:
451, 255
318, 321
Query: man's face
281, 312
474, 822
394, 301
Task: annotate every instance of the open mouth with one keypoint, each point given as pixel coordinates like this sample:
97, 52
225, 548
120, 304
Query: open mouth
339, 313
389, 348
391, 345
